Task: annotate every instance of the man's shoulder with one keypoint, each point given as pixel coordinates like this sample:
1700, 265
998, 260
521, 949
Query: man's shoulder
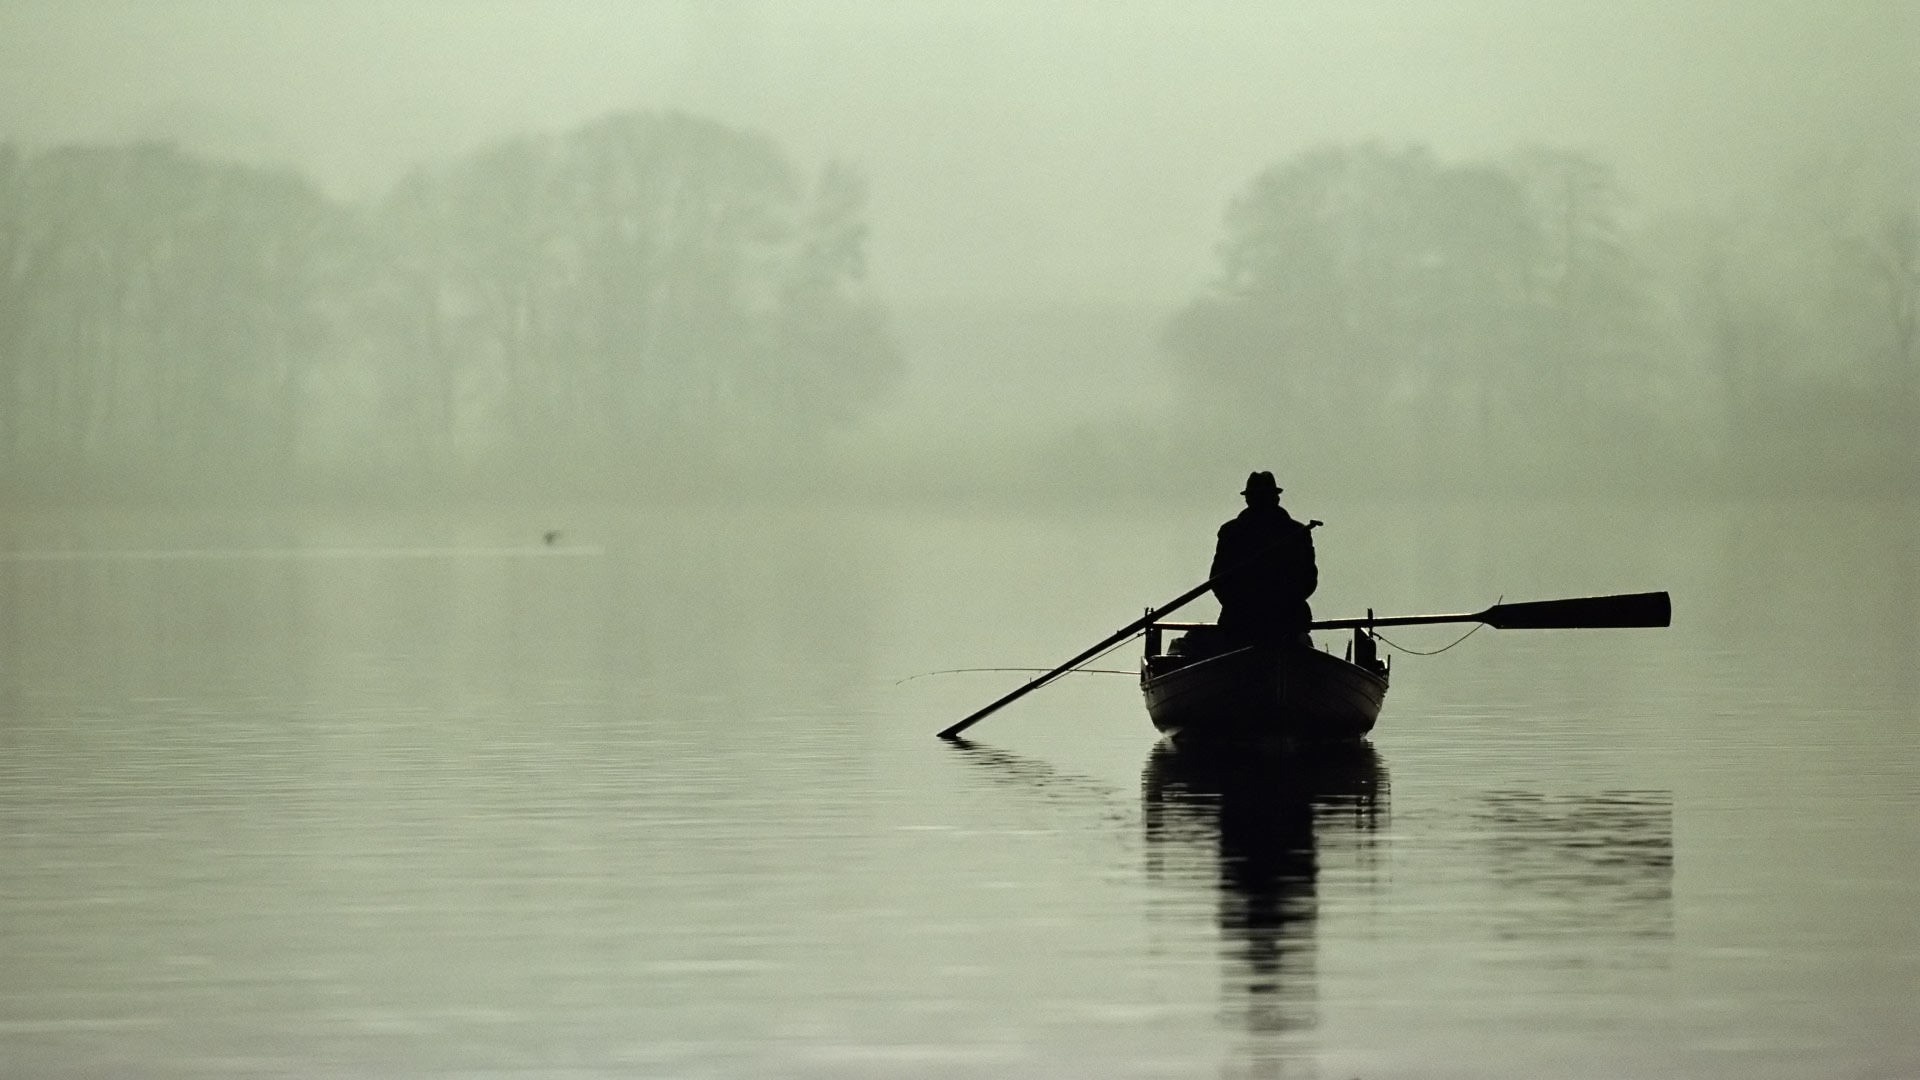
1243, 526
1274, 518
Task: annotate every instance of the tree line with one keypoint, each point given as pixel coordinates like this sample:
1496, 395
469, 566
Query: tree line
643, 292
1510, 322
653, 295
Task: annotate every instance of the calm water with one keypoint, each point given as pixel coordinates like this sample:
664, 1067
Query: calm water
431, 797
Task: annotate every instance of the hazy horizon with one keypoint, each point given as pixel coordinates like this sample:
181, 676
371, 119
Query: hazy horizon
1077, 152
1046, 187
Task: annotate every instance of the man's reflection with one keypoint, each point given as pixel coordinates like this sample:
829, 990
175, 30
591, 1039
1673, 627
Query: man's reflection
1264, 823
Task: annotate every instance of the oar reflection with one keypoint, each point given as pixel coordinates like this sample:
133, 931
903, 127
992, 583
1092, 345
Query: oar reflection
1581, 870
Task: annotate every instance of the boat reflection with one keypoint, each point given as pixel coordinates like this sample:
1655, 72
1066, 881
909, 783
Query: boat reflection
1260, 824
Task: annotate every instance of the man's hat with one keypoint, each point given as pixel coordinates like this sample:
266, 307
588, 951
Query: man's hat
1261, 483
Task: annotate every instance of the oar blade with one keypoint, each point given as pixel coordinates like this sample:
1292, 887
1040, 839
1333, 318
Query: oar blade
1583, 612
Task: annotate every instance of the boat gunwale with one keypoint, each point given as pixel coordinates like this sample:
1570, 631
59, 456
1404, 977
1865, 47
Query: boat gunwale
1148, 678
1362, 690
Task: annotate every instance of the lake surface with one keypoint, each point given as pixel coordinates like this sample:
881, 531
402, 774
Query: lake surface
429, 796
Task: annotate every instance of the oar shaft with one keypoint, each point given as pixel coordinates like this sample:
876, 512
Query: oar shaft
1572, 613
1123, 633
1394, 620
1113, 639
1034, 684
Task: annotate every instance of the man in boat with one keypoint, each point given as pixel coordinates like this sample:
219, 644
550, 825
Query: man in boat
1263, 568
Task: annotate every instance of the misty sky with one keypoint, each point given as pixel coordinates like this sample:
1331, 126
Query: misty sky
1016, 149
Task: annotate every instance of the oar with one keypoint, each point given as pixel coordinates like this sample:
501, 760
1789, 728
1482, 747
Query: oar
1108, 642
1578, 612
1573, 613
1116, 637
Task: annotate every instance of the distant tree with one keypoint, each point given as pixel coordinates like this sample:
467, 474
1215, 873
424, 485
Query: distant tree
1901, 268
646, 284
1803, 318
22, 261
157, 313
1310, 303
407, 353
1870, 324
1883, 277
679, 226
645, 280
834, 355
1367, 292
1593, 339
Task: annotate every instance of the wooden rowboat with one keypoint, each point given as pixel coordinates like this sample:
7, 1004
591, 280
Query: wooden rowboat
1284, 692
1289, 693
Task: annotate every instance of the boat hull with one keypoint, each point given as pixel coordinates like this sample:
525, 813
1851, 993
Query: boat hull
1267, 693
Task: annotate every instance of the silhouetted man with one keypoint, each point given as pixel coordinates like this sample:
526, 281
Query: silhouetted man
1263, 567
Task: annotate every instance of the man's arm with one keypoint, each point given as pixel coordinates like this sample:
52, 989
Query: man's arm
1225, 555
1309, 569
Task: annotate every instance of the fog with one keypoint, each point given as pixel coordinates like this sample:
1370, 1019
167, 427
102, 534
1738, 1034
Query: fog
946, 247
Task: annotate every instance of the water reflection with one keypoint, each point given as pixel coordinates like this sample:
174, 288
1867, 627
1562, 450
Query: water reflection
1581, 865
1087, 803
1032, 774
1262, 825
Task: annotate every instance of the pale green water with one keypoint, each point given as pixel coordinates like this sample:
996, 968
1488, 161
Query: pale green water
429, 797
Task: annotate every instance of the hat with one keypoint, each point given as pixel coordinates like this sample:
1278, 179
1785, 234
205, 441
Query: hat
1261, 483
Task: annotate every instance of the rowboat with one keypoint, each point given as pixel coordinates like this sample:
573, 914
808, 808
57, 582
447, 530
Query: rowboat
1205, 689
1288, 692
